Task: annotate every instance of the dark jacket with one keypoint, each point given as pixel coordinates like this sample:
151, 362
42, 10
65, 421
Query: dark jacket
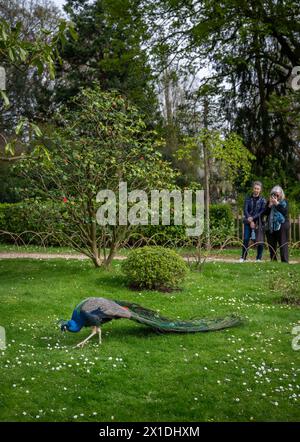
284, 210
255, 212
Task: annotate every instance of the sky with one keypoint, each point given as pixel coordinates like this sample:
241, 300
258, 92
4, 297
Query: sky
59, 3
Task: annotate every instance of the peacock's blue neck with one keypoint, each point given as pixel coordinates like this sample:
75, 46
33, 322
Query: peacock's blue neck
76, 323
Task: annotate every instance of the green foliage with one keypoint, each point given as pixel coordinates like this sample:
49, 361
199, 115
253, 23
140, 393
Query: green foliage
221, 227
4, 207
41, 52
221, 223
293, 192
294, 208
100, 140
251, 51
287, 288
3, 219
169, 236
109, 46
35, 221
231, 154
221, 214
187, 147
29, 52
51, 218
228, 154
155, 268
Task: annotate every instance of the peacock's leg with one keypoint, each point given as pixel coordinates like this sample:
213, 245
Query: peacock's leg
82, 343
99, 333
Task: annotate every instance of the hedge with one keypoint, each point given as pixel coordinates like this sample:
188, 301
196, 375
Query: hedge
35, 216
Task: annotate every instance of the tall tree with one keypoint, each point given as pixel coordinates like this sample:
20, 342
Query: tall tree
108, 51
29, 35
101, 142
251, 48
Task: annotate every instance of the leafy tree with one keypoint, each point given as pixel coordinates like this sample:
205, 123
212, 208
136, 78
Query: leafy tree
108, 51
225, 157
97, 144
30, 33
251, 49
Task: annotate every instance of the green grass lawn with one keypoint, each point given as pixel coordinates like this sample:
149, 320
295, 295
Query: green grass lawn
248, 373
34, 248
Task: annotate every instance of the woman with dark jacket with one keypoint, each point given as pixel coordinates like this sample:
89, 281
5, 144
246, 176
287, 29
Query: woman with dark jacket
277, 224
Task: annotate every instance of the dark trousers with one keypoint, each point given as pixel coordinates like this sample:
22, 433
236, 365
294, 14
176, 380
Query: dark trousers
280, 238
247, 234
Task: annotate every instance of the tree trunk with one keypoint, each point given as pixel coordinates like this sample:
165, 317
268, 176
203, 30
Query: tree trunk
97, 261
95, 251
263, 111
107, 261
171, 131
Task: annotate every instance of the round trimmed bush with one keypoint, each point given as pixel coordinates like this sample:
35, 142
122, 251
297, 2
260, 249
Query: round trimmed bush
155, 268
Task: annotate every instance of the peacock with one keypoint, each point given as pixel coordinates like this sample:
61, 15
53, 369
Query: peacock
93, 312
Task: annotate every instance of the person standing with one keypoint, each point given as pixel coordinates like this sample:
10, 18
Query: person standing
277, 224
254, 207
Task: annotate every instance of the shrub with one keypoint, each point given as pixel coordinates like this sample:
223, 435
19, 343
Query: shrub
221, 227
155, 268
168, 236
3, 209
221, 223
45, 216
29, 216
221, 214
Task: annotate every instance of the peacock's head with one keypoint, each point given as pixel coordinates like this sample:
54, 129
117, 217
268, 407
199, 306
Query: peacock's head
64, 326
70, 326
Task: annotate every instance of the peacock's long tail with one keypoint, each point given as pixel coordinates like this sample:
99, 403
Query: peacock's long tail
153, 319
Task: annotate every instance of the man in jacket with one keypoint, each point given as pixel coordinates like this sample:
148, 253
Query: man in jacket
254, 208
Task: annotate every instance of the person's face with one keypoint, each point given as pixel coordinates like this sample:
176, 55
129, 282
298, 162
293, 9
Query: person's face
256, 190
